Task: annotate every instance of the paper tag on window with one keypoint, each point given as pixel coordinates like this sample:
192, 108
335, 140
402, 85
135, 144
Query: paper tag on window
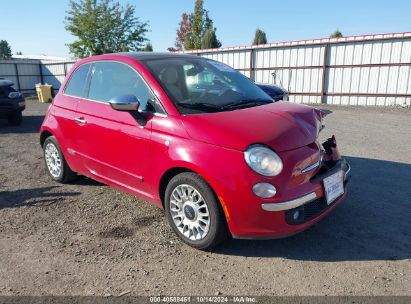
221, 66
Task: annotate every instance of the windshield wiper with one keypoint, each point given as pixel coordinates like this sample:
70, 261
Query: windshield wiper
246, 103
200, 106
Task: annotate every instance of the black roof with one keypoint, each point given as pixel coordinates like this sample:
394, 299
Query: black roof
155, 55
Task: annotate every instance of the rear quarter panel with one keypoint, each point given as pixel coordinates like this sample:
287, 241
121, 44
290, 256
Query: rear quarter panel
59, 121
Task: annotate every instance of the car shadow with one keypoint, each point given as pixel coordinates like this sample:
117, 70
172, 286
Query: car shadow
33, 197
82, 180
372, 224
30, 124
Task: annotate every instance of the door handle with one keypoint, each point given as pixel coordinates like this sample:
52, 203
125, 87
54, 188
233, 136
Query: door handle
80, 120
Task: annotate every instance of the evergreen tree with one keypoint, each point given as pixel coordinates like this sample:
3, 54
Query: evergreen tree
5, 50
148, 47
259, 37
210, 40
336, 34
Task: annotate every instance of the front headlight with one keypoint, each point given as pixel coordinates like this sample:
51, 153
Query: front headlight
14, 95
263, 160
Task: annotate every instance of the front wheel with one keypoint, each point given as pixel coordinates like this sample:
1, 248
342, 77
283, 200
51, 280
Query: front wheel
56, 164
194, 212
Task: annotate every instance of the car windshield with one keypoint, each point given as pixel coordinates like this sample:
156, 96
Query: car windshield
198, 85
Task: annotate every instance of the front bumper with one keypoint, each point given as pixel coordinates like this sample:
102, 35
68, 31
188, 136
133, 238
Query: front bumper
342, 164
276, 220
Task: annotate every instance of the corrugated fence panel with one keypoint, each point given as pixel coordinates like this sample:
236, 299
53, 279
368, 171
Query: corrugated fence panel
53, 69
54, 74
298, 69
358, 70
379, 69
7, 69
27, 73
28, 69
28, 83
55, 81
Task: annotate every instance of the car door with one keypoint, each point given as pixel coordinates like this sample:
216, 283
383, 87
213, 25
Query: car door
114, 147
63, 112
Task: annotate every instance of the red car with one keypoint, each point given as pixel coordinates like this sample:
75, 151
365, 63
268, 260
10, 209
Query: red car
197, 138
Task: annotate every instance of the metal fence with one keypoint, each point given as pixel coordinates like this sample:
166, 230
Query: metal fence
27, 73
357, 70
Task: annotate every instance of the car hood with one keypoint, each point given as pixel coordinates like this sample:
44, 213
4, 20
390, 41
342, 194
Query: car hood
282, 126
6, 83
271, 88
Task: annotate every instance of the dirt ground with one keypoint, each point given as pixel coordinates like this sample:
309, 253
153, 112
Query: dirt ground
86, 238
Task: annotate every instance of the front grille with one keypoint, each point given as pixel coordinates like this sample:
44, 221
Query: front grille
306, 212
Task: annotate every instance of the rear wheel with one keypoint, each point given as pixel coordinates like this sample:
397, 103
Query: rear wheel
194, 212
15, 119
56, 164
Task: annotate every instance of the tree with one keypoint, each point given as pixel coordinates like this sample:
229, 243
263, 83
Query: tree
210, 40
148, 47
182, 31
336, 34
19, 53
197, 23
104, 26
259, 37
192, 29
5, 50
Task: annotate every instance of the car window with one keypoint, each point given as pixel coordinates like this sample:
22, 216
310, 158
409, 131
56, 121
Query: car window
204, 81
198, 85
112, 79
77, 83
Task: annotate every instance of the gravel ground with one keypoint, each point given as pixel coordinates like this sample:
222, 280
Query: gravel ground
90, 239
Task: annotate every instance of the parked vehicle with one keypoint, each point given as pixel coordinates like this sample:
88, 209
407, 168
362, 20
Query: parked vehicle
197, 138
276, 92
12, 103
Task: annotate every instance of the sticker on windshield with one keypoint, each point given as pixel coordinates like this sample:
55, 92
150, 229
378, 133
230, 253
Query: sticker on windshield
222, 67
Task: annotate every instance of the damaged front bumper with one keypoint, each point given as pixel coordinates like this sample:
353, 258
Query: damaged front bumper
341, 164
315, 188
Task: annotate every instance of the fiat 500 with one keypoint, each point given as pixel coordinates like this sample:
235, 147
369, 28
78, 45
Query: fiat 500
197, 138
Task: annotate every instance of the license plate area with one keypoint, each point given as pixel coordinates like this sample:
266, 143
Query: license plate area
334, 186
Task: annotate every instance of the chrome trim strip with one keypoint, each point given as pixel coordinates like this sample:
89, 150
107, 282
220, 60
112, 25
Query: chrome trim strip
289, 204
310, 167
348, 171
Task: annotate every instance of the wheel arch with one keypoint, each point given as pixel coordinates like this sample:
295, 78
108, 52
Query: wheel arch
171, 172
166, 178
44, 135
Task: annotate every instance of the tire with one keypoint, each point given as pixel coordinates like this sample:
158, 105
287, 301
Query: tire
58, 169
192, 212
15, 119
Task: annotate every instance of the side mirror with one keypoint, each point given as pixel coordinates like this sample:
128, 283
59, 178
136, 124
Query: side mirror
125, 103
